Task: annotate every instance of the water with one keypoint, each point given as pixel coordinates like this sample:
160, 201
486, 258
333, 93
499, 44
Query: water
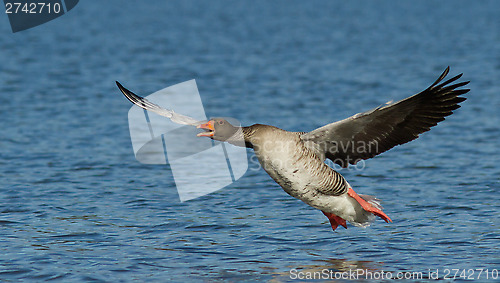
76, 205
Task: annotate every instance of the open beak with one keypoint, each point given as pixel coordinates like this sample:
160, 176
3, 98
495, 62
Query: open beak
209, 129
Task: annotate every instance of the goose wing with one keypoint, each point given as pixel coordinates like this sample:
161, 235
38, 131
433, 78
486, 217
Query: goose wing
370, 133
150, 106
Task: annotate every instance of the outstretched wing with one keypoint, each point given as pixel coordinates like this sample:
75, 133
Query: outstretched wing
150, 106
367, 134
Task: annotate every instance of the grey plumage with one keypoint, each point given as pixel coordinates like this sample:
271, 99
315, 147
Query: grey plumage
367, 134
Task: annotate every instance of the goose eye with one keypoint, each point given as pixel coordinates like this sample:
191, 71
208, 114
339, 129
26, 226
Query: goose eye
221, 122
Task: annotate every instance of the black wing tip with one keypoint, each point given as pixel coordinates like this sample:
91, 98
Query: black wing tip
121, 88
445, 73
441, 77
132, 97
439, 85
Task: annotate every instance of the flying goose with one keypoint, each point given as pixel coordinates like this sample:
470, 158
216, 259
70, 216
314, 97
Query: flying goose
296, 160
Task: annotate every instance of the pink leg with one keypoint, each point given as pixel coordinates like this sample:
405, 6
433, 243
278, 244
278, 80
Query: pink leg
335, 221
368, 207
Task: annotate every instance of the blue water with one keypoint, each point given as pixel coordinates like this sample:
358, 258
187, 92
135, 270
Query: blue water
75, 205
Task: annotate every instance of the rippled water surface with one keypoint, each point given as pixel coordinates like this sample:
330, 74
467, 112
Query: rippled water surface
75, 205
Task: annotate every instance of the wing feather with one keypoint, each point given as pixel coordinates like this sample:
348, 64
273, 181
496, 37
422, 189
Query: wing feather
150, 106
368, 134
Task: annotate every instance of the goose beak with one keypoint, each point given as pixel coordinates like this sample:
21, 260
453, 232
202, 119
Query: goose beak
209, 127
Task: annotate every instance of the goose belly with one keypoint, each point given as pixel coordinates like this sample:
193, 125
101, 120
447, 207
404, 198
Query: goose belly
290, 172
303, 179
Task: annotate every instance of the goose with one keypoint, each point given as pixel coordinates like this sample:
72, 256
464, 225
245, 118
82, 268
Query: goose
296, 160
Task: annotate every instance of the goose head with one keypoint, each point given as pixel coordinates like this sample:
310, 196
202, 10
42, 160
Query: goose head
217, 129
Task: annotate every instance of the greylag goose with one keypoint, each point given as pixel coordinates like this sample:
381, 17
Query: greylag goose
296, 160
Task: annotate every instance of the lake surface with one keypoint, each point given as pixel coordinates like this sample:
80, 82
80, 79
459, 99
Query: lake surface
75, 205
